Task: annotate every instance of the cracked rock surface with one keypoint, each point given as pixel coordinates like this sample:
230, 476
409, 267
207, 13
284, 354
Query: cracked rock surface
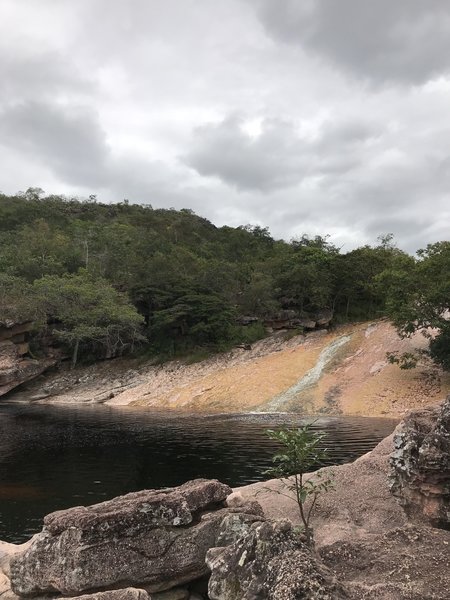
153, 539
270, 561
421, 465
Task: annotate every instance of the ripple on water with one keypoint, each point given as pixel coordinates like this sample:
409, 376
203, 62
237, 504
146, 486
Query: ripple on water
56, 457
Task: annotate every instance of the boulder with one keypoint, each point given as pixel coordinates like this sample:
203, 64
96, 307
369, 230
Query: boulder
153, 539
420, 465
323, 318
174, 594
124, 594
269, 561
16, 369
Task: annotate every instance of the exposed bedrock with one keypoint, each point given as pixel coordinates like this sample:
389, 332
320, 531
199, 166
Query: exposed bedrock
421, 465
124, 594
153, 539
270, 561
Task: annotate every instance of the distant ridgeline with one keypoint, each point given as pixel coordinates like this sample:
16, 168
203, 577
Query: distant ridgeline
105, 279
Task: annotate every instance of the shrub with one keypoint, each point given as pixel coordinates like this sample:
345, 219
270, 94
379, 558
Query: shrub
300, 454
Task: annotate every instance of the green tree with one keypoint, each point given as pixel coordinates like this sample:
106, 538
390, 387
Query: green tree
193, 319
418, 299
18, 300
300, 454
304, 275
88, 314
41, 249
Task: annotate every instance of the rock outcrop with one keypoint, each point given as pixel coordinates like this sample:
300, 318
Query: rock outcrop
291, 319
124, 594
154, 539
421, 465
270, 561
152, 545
15, 366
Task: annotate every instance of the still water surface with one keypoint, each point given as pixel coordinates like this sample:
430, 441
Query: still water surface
57, 457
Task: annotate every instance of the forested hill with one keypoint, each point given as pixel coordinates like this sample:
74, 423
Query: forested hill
106, 278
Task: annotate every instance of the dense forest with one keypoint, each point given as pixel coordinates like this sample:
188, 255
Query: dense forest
104, 279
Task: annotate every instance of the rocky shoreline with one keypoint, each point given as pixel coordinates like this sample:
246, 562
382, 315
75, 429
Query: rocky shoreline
342, 372
382, 533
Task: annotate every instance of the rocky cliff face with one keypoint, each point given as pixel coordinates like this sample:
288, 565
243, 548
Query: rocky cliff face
421, 465
16, 367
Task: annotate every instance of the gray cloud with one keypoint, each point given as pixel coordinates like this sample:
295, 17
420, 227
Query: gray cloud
404, 40
43, 74
279, 156
275, 159
160, 102
66, 139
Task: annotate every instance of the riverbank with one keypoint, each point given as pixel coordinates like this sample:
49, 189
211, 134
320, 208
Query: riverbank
363, 538
363, 535
342, 372
54, 456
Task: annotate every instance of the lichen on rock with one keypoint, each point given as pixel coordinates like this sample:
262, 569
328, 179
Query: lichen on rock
270, 561
154, 539
420, 465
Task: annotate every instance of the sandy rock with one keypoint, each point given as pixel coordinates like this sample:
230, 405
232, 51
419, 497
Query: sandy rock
270, 562
16, 369
155, 539
406, 563
359, 505
324, 318
124, 594
175, 594
247, 505
7, 551
421, 465
5, 588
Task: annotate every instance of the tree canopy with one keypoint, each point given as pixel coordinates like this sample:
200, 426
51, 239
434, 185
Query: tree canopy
418, 299
103, 277
87, 312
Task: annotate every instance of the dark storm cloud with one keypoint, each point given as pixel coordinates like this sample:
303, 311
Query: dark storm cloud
382, 40
66, 139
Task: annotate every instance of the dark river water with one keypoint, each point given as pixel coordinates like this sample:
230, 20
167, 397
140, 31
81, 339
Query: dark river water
57, 457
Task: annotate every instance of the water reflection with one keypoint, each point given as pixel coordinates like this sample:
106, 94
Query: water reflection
56, 457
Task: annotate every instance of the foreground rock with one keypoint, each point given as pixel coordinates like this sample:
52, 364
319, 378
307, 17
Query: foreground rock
125, 594
270, 562
404, 563
363, 534
155, 539
421, 465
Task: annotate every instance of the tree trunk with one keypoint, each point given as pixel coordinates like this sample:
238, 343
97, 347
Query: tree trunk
75, 354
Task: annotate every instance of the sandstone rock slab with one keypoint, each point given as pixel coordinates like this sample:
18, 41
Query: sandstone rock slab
124, 594
270, 562
155, 539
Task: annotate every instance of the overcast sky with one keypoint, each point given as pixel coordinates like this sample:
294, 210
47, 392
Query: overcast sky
306, 116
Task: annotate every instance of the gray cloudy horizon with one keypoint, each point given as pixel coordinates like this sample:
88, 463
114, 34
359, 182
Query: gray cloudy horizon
311, 117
